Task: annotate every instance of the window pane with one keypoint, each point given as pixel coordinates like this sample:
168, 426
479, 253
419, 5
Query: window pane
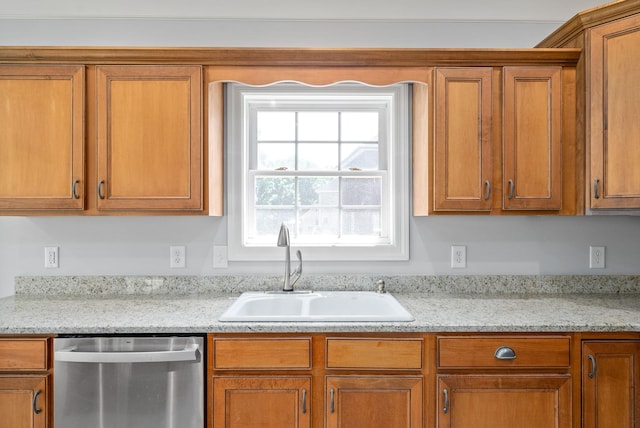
322, 223
317, 126
276, 126
361, 222
360, 191
318, 191
318, 156
361, 156
268, 221
275, 191
359, 126
276, 155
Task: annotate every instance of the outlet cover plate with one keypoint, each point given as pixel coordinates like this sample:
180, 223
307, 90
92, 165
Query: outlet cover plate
596, 257
458, 256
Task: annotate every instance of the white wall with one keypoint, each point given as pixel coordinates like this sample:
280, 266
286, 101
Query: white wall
140, 245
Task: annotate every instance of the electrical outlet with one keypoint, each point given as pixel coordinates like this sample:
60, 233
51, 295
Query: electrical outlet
51, 258
458, 256
220, 258
177, 256
596, 257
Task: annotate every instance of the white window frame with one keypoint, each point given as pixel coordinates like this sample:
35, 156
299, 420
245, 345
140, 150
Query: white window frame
394, 165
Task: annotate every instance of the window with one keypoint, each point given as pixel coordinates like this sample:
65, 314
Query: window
330, 162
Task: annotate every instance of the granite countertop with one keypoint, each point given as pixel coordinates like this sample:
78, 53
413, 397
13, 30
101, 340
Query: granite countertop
169, 311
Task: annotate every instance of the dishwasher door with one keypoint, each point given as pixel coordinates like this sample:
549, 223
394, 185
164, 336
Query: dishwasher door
129, 382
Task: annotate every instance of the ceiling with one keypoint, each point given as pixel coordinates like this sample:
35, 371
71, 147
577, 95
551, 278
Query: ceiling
556, 11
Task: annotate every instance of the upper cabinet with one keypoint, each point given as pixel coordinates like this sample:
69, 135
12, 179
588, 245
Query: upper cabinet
613, 112
607, 101
149, 135
503, 142
41, 137
462, 145
532, 138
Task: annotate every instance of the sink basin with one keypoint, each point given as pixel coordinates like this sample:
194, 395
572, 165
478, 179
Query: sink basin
316, 306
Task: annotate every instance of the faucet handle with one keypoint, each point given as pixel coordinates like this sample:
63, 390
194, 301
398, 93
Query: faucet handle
298, 272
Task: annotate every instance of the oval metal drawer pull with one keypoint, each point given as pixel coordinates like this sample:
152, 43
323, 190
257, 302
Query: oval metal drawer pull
505, 353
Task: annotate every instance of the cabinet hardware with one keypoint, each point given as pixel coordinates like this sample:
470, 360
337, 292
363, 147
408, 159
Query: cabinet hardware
445, 410
304, 401
488, 190
512, 189
596, 188
35, 403
332, 408
505, 353
594, 367
74, 189
100, 189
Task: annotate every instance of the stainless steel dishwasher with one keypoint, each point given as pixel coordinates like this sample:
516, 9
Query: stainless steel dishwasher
129, 382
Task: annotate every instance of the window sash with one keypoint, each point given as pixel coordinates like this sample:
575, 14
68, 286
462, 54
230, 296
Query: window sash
392, 173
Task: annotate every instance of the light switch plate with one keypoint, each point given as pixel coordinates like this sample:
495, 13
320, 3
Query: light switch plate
220, 257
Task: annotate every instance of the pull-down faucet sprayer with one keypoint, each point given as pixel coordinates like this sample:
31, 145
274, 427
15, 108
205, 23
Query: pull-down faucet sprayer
284, 241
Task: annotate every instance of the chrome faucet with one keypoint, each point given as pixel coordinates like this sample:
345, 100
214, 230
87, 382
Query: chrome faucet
284, 241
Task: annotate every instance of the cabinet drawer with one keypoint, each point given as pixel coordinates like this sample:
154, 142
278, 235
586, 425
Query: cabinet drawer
24, 354
374, 353
259, 354
518, 352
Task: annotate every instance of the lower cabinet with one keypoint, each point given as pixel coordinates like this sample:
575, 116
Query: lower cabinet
403, 380
488, 401
25, 382
23, 401
315, 380
374, 401
266, 402
610, 376
487, 381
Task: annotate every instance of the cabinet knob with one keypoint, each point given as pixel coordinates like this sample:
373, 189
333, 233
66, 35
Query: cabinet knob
304, 401
487, 194
505, 353
596, 188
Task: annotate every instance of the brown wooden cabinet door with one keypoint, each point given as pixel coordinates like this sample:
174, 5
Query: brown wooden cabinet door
462, 146
149, 137
614, 108
610, 378
41, 137
523, 401
23, 402
532, 138
374, 401
266, 402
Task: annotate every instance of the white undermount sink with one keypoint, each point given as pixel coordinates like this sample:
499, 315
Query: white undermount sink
316, 306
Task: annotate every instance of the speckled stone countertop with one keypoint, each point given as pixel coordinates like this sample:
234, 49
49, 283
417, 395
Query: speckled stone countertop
105, 305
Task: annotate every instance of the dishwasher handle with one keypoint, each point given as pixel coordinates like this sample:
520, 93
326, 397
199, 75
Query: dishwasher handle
189, 353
